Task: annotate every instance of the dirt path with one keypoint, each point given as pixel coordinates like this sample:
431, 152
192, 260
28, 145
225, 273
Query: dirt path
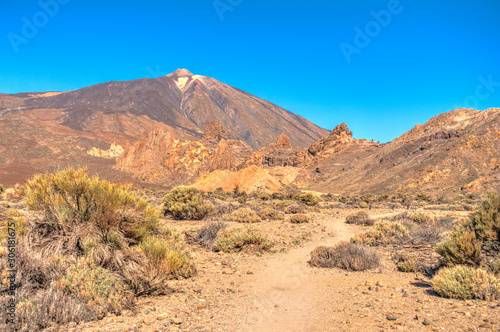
285, 294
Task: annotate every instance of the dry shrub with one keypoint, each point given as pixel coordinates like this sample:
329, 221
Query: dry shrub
207, 234
75, 207
462, 246
346, 255
359, 218
474, 240
85, 235
235, 239
425, 235
245, 215
13, 194
299, 218
187, 203
464, 282
39, 302
271, 214
384, 232
420, 218
47, 306
222, 209
97, 287
294, 209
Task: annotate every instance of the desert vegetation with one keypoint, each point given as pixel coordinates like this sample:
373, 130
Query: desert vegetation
346, 255
90, 245
98, 248
188, 203
239, 238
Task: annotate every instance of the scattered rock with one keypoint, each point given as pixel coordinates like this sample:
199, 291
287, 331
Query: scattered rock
162, 316
176, 321
392, 318
427, 322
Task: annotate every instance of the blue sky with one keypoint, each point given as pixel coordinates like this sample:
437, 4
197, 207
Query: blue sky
426, 58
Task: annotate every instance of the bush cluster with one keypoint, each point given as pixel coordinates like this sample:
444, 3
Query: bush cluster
237, 238
245, 215
294, 209
383, 232
90, 244
270, 214
299, 218
472, 238
308, 199
465, 282
359, 218
187, 203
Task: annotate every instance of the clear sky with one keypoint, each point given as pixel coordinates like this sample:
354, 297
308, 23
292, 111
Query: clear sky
379, 66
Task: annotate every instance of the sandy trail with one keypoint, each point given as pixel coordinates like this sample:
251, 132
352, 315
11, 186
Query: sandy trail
286, 295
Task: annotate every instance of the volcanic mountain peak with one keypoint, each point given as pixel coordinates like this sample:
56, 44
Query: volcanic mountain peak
180, 73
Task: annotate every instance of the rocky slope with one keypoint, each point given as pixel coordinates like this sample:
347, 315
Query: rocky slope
452, 152
42, 131
186, 102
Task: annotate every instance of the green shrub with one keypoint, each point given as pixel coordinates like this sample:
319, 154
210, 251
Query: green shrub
187, 203
383, 197
77, 208
277, 195
359, 218
264, 197
97, 287
245, 215
168, 256
270, 214
407, 263
285, 203
462, 246
235, 239
423, 197
308, 199
363, 205
463, 282
299, 218
469, 237
242, 199
384, 232
347, 256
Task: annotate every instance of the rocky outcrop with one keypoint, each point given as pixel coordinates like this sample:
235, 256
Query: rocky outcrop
339, 136
215, 132
223, 158
114, 152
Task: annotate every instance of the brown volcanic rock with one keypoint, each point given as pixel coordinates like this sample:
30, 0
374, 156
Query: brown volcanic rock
453, 151
248, 179
182, 101
56, 129
35, 141
339, 136
223, 158
214, 132
158, 158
